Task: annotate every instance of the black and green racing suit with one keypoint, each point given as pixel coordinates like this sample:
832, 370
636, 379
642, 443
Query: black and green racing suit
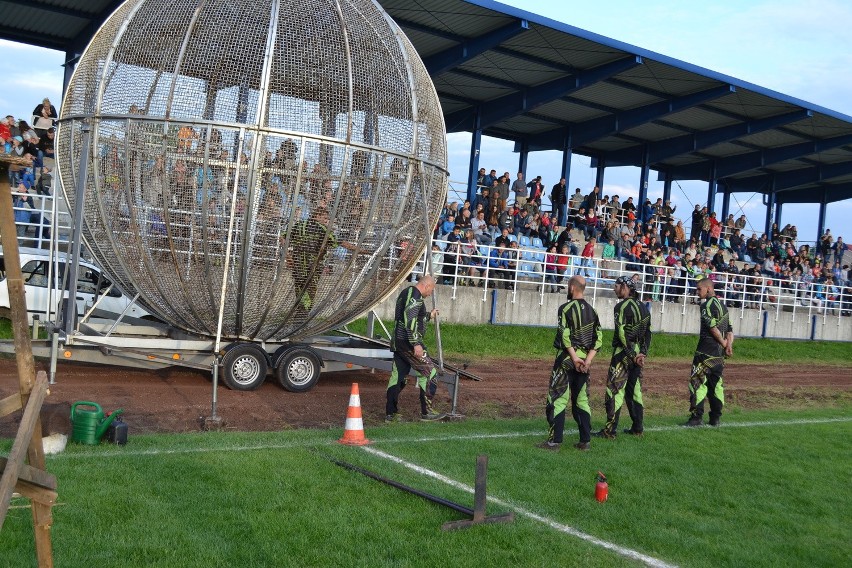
631, 338
709, 362
580, 328
410, 319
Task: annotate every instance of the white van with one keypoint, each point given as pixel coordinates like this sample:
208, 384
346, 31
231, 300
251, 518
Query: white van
91, 284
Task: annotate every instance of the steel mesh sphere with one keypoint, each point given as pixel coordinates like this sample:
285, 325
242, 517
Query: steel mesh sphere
293, 148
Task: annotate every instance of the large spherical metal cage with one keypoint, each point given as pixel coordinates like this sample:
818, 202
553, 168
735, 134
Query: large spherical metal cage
284, 160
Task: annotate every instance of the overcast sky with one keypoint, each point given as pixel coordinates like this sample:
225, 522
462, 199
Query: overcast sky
798, 47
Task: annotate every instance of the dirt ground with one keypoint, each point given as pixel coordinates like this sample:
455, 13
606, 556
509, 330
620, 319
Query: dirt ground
174, 400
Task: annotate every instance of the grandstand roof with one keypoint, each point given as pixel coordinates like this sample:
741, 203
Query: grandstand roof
545, 84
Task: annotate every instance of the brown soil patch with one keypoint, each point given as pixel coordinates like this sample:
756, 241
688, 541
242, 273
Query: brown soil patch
173, 400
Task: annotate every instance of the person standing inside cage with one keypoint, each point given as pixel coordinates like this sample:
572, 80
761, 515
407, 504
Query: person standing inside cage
578, 339
409, 351
630, 344
311, 241
715, 343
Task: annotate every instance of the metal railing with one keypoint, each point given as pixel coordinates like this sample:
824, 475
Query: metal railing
533, 269
37, 217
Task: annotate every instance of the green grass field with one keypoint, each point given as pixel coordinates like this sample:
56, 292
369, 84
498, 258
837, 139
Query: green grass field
467, 341
762, 490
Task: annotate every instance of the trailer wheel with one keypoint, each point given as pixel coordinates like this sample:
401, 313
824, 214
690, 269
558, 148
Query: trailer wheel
244, 367
298, 370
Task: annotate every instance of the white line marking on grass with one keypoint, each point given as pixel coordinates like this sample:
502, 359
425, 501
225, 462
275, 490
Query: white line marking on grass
626, 552
121, 453
542, 432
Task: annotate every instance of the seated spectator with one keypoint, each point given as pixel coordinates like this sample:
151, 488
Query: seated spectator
456, 235
437, 260
498, 263
480, 229
579, 220
565, 239
503, 240
27, 132
44, 117
506, 220
590, 230
447, 226
452, 265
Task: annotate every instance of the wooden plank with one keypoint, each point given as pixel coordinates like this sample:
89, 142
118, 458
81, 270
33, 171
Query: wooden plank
21, 444
36, 493
32, 475
10, 404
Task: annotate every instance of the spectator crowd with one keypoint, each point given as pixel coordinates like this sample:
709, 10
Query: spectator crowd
584, 230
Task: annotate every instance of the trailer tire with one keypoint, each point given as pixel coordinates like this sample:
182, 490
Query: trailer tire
244, 367
298, 369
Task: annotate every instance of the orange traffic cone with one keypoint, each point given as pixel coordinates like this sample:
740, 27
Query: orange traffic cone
353, 431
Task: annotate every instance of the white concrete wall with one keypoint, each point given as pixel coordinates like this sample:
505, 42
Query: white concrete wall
527, 306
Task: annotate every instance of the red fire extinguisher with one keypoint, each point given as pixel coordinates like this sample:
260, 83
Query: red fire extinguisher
601, 489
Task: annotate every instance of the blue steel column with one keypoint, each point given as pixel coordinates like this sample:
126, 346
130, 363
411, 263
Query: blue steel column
667, 187
567, 154
778, 206
71, 59
711, 190
644, 172
473, 170
821, 223
523, 158
770, 206
726, 203
599, 175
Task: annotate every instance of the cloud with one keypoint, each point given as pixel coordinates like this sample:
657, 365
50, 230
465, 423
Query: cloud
47, 81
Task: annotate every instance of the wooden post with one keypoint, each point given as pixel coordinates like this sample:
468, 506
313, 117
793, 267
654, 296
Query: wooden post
42, 519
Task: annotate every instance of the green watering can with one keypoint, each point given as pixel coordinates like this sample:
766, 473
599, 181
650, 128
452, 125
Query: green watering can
88, 425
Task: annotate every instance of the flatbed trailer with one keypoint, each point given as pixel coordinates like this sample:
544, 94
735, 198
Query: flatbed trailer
296, 365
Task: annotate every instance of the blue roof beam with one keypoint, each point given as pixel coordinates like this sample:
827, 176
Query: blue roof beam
473, 47
836, 192
598, 128
507, 106
741, 163
794, 179
679, 145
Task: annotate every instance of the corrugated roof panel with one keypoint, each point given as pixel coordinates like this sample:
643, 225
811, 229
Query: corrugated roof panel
504, 62
697, 118
526, 125
832, 156
771, 139
682, 160
428, 44
614, 96
465, 83
450, 16
565, 49
570, 112
666, 79
611, 144
48, 23
822, 126
726, 149
653, 132
520, 75
751, 105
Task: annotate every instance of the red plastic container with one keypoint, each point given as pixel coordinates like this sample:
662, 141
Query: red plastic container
601, 489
